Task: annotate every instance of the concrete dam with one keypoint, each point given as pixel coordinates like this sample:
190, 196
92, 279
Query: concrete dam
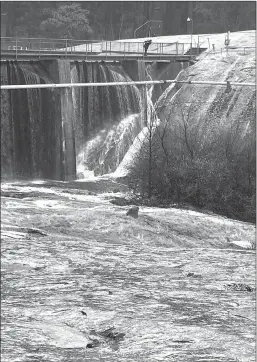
60, 133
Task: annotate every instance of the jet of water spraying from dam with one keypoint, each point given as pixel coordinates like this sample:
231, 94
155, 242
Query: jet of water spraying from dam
152, 123
107, 118
104, 152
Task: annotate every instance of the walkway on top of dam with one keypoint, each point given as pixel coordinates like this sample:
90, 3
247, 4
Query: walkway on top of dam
35, 49
163, 49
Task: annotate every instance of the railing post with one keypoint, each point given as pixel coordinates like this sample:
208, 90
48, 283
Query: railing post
110, 48
39, 50
66, 44
177, 48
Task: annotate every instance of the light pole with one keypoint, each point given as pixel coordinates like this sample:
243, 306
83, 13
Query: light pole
190, 20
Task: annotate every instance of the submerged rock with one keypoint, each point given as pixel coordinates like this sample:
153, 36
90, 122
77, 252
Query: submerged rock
36, 231
239, 287
120, 201
133, 212
107, 332
127, 200
108, 335
193, 275
112, 334
93, 343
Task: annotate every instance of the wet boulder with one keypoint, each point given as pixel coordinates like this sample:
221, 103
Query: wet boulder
93, 343
238, 287
110, 335
133, 211
120, 201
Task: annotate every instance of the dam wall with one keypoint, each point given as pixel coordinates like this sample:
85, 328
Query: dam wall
58, 133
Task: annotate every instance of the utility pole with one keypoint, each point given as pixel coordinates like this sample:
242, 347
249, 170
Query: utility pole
190, 21
3, 29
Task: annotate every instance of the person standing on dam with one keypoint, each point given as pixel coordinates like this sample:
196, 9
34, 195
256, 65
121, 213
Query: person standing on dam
146, 45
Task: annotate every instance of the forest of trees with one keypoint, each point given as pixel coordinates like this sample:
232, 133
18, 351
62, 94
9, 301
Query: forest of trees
118, 20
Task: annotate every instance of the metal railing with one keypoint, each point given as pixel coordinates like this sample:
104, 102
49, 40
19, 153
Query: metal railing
112, 47
244, 50
15, 47
10, 43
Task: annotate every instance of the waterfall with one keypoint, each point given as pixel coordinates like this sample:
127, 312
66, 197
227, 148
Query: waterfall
152, 122
108, 122
29, 131
134, 151
107, 119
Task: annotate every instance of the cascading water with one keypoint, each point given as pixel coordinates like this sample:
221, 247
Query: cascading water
109, 122
152, 123
106, 121
107, 118
30, 132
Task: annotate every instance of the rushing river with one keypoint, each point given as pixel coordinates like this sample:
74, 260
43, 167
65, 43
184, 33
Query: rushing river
163, 280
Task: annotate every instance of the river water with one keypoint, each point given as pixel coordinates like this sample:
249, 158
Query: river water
164, 279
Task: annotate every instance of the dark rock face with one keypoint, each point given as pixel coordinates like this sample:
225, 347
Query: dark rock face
133, 212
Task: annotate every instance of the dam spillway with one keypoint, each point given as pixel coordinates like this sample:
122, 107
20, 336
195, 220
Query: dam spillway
61, 134
33, 120
107, 118
31, 131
